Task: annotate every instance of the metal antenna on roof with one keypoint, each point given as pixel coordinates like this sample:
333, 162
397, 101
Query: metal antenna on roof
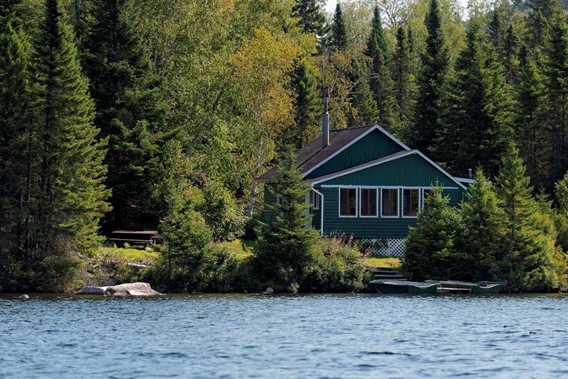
325, 121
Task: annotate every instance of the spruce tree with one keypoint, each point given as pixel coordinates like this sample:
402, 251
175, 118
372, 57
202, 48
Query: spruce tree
129, 112
312, 18
479, 120
338, 37
533, 138
286, 241
364, 109
404, 81
17, 147
556, 79
511, 55
539, 20
432, 86
381, 77
480, 249
531, 259
431, 244
72, 196
307, 104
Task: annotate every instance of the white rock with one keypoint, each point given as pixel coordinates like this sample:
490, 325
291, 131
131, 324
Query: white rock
268, 291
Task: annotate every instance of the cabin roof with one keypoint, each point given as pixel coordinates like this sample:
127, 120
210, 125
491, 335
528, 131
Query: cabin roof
314, 154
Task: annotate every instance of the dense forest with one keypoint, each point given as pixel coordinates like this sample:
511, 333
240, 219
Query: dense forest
144, 114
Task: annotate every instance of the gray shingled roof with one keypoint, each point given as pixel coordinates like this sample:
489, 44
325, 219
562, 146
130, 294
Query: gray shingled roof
313, 153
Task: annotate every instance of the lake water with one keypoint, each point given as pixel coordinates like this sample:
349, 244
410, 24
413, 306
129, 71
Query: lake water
327, 336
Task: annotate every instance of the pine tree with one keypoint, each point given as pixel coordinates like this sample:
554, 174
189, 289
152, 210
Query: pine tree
432, 85
430, 246
286, 242
480, 256
364, 109
532, 260
129, 113
478, 126
381, 77
312, 18
307, 104
338, 37
405, 86
71, 173
556, 79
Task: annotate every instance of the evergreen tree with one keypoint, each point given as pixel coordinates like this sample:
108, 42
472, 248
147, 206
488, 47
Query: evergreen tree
511, 55
540, 15
404, 80
432, 85
556, 72
286, 244
532, 260
381, 77
480, 118
364, 109
430, 246
71, 173
480, 256
312, 18
17, 146
532, 136
129, 112
338, 37
307, 104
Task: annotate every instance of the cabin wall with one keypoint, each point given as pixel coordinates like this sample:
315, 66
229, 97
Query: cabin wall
375, 145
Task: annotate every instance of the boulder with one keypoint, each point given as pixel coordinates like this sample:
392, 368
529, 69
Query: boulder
126, 289
24, 297
268, 291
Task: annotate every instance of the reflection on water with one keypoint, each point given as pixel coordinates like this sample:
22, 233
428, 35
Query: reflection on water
349, 336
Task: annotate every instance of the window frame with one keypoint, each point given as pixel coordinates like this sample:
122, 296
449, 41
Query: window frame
354, 188
397, 189
315, 201
377, 205
420, 201
423, 196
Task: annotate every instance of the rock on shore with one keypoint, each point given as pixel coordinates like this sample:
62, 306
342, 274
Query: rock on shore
126, 289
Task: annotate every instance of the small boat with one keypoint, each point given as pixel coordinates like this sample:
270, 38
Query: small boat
488, 288
404, 286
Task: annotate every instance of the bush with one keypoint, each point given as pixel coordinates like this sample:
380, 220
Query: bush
336, 267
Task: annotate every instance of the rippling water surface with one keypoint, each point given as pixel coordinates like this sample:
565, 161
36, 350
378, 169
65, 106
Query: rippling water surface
332, 336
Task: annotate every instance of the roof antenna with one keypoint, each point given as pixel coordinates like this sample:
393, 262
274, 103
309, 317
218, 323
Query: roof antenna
325, 121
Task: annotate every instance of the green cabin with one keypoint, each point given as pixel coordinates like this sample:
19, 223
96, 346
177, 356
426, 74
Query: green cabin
368, 185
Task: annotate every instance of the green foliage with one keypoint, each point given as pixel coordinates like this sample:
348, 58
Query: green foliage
311, 15
338, 37
532, 259
337, 267
479, 117
432, 84
129, 113
285, 246
380, 74
480, 253
307, 104
404, 79
431, 244
364, 108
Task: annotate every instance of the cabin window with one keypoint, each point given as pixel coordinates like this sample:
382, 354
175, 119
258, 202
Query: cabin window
389, 202
410, 202
314, 201
369, 202
347, 202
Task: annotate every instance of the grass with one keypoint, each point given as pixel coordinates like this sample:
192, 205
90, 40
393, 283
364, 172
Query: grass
382, 262
241, 249
128, 254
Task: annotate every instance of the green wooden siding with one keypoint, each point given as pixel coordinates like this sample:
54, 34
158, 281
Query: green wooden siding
411, 170
375, 145
369, 228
